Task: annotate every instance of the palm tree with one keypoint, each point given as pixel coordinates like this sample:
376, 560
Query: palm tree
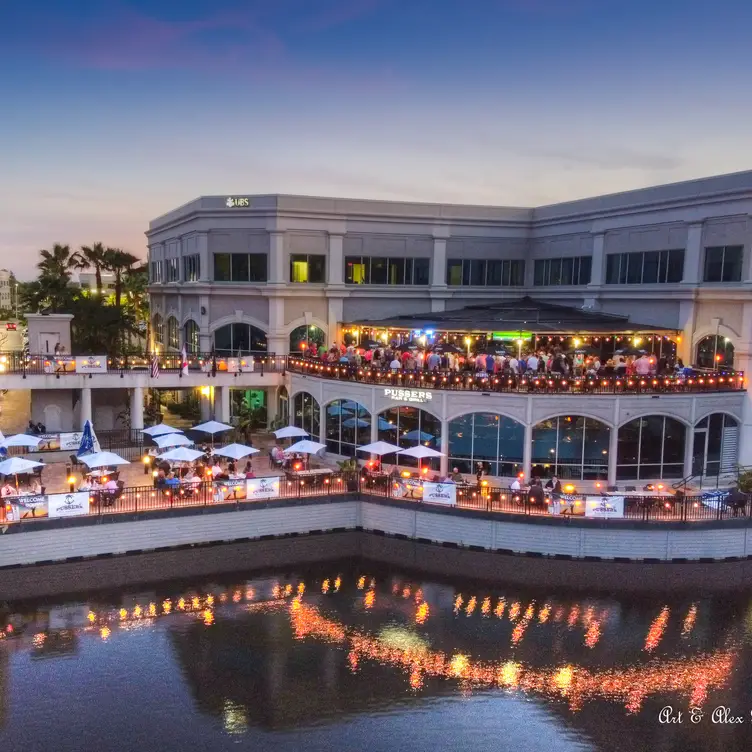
57, 263
92, 257
51, 290
120, 263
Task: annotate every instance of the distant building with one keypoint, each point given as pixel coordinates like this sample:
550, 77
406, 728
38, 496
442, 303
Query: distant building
88, 280
7, 289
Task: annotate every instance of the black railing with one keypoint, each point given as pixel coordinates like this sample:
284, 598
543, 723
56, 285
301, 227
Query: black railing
143, 499
529, 384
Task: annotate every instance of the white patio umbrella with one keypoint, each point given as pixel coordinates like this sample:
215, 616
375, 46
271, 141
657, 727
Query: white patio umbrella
160, 430
21, 440
181, 454
103, 459
289, 432
235, 451
17, 465
305, 447
380, 448
420, 452
172, 440
212, 427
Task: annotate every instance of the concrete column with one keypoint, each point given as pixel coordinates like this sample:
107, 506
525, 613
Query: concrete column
137, 408
335, 314
85, 405
374, 428
205, 404
444, 459
335, 266
206, 272
222, 404
689, 446
439, 261
598, 264
613, 443
272, 403
693, 255
527, 453
687, 310
277, 271
277, 341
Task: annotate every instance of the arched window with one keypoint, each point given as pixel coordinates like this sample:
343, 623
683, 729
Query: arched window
572, 447
190, 333
715, 351
651, 448
348, 426
158, 328
715, 450
283, 406
408, 427
306, 414
495, 440
173, 339
302, 337
239, 339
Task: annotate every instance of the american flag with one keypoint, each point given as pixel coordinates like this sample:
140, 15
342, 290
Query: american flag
155, 367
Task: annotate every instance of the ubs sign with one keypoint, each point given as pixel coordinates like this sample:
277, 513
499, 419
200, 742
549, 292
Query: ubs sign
232, 202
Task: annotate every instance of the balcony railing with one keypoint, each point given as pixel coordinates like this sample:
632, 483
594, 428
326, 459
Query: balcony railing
530, 384
505, 502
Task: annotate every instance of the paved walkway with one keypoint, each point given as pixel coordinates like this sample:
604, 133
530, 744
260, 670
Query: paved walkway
15, 411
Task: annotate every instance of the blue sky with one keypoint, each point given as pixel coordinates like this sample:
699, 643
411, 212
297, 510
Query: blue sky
113, 113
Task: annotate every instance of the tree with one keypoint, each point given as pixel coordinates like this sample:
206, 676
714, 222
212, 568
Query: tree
58, 262
52, 290
120, 263
92, 257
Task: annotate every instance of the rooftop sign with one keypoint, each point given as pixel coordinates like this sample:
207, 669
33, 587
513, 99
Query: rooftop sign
232, 202
408, 395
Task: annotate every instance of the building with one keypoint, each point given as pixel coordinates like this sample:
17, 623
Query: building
242, 274
8, 290
88, 280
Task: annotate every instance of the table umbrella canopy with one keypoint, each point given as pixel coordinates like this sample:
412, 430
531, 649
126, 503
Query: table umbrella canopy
212, 427
21, 440
161, 430
171, 440
418, 435
355, 423
103, 459
305, 447
379, 448
181, 454
421, 452
289, 432
16, 465
235, 451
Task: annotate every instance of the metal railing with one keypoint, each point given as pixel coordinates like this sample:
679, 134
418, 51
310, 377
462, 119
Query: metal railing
526, 384
505, 502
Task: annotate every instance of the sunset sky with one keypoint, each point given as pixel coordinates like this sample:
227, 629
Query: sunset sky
113, 113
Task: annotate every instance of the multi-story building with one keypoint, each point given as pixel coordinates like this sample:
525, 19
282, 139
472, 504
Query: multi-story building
88, 280
7, 290
263, 273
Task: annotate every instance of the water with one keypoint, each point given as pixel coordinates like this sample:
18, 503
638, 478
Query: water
347, 657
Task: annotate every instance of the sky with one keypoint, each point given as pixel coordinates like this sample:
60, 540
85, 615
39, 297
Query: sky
112, 113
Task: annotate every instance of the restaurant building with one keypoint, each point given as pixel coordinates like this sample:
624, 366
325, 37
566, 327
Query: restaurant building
664, 268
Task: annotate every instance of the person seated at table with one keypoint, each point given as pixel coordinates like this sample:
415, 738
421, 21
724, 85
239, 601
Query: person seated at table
456, 475
277, 456
171, 480
249, 470
159, 481
36, 487
9, 489
536, 494
554, 485
111, 485
216, 469
84, 485
515, 485
231, 467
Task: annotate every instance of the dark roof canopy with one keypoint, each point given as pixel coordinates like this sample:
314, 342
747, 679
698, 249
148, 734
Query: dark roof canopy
524, 314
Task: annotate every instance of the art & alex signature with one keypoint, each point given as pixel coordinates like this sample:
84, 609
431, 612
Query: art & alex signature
722, 715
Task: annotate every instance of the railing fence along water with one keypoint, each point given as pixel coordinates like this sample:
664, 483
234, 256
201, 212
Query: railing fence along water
500, 383
504, 502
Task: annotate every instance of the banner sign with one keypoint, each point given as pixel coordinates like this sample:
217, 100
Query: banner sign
60, 364
91, 364
240, 365
230, 490
262, 488
68, 505
440, 493
604, 507
29, 507
56, 442
567, 504
407, 488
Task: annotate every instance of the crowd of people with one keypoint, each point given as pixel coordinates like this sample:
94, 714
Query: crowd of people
543, 361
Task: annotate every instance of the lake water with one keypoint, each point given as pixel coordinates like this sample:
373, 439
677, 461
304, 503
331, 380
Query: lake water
347, 657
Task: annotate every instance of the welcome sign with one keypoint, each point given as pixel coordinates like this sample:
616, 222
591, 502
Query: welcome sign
262, 488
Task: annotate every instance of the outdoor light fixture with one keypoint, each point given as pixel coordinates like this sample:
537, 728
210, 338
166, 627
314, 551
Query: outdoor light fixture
569, 488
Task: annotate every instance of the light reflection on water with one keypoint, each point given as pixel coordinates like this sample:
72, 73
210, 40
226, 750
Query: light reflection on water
328, 659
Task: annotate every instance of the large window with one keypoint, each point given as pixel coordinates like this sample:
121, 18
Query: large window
651, 448
562, 271
302, 337
571, 447
483, 273
645, 268
408, 427
172, 266
365, 270
723, 263
306, 414
348, 426
715, 351
495, 440
190, 333
158, 327
240, 267
155, 271
308, 268
715, 450
173, 338
192, 268
239, 339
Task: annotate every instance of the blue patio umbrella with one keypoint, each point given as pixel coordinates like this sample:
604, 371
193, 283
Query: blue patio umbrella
87, 440
337, 410
355, 423
385, 425
418, 436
